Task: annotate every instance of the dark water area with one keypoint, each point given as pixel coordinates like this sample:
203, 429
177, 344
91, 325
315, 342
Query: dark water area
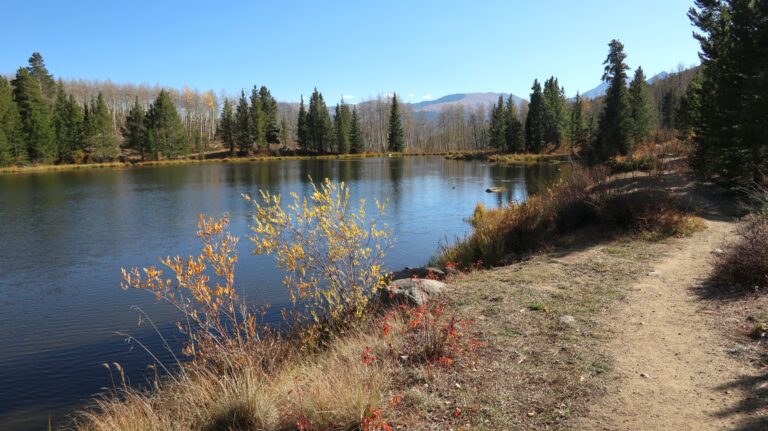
65, 235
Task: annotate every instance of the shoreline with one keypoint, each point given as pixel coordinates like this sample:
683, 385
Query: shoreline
491, 157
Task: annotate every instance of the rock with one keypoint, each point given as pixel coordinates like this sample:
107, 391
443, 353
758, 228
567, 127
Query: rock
422, 272
412, 291
718, 251
567, 320
495, 189
645, 376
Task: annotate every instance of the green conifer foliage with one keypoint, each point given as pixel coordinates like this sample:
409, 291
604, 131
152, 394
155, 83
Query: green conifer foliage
534, 121
356, 134
36, 118
395, 138
12, 148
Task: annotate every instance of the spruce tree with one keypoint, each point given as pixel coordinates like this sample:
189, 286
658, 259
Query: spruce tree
687, 113
256, 123
341, 127
577, 130
227, 127
40, 72
36, 118
165, 130
497, 126
640, 107
555, 115
68, 124
244, 125
534, 121
319, 125
104, 144
302, 131
513, 129
270, 112
356, 134
12, 148
135, 129
395, 139
615, 123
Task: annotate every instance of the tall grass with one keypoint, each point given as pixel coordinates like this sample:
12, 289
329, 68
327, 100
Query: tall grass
502, 235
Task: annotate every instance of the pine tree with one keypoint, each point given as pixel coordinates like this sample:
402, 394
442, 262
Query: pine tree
36, 118
319, 125
615, 123
270, 111
395, 139
104, 144
640, 107
555, 117
135, 129
497, 126
668, 110
514, 140
244, 125
356, 134
687, 113
341, 127
165, 130
12, 148
68, 124
227, 126
302, 131
577, 131
40, 72
534, 121
257, 122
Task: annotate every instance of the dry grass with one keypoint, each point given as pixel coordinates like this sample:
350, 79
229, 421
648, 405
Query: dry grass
503, 235
744, 262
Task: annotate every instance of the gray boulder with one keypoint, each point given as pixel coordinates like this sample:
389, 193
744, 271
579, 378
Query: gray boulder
422, 272
412, 291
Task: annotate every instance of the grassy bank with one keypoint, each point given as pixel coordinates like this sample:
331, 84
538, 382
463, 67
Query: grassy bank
189, 161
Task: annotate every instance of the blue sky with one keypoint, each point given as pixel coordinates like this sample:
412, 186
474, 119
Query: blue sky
419, 48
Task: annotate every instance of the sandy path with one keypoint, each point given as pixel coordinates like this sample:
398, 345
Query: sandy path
669, 357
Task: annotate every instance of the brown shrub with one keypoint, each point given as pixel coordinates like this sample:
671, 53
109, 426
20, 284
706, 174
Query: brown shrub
744, 262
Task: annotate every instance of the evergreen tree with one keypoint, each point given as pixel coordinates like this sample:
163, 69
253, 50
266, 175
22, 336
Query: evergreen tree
534, 121
258, 120
615, 123
39, 71
104, 145
36, 118
227, 126
302, 127
356, 134
165, 130
395, 139
577, 132
640, 107
687, 113
135, 129
555, 115
319, 125
68, 124
668, 110
497, 126
12, 149
244, 125
342, 120
270, 111
730, 134
514, 140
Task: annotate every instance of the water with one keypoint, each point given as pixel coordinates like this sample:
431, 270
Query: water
65, 235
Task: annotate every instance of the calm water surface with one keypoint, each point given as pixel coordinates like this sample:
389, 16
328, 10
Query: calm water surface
64, 237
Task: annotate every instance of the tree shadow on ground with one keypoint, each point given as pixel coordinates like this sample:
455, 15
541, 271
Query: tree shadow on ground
755, 389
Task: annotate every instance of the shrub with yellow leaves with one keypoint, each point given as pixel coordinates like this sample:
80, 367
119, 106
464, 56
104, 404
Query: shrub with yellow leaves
214, 317
332, 252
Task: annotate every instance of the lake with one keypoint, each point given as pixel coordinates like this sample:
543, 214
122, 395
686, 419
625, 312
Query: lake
65, 235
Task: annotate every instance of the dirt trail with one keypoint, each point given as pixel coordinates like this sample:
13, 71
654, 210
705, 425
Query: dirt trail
670, 358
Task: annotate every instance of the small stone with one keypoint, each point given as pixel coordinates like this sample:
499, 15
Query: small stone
567, 320
718, 251
531, 414
645, 376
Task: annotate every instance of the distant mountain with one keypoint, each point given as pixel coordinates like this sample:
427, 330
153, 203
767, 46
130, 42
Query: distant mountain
468, 100
603, 87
